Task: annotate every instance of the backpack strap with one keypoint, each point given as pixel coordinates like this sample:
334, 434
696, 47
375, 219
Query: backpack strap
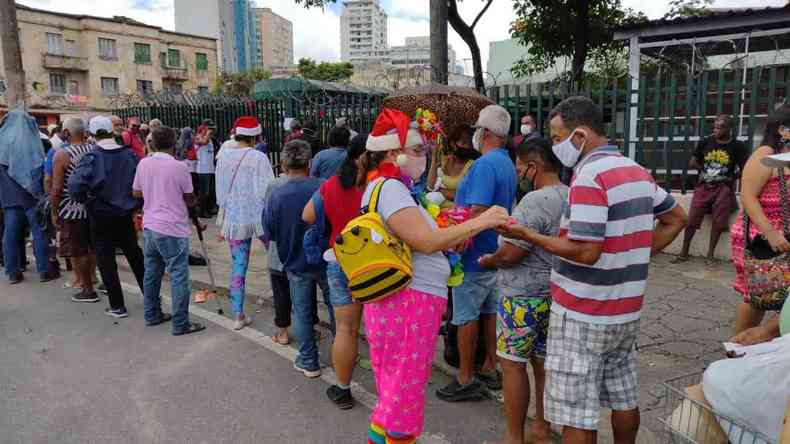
374, 198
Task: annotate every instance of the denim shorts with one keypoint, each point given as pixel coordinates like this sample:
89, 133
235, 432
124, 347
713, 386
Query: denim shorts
339, 293
477, 295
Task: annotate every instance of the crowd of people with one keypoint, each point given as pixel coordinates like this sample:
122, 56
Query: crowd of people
554, 271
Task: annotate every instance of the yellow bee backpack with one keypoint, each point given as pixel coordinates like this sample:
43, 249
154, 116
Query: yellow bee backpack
376, 263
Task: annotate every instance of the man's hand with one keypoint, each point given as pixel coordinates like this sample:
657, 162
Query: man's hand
512, 231
486, 261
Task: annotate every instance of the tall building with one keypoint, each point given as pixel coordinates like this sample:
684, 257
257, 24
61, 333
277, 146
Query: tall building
80, 63
363, 31
231, 22
417, 52
275, 39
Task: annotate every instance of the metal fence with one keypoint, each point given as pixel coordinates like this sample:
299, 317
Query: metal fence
360, 110
672, 112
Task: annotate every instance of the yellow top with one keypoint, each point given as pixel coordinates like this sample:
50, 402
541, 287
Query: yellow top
452, 182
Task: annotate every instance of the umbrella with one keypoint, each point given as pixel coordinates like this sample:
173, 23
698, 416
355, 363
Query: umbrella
453, 105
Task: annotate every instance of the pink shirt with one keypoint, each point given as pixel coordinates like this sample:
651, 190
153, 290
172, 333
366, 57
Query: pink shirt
163, 181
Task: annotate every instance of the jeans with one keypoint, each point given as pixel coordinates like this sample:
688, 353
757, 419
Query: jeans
303, 298
240, 261
338, 285
477, 295
171, 254
14, 219
109, 233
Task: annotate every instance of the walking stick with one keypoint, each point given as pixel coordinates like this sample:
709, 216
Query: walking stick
208, 264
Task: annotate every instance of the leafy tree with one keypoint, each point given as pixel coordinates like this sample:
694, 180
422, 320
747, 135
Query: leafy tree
328, 72
569, 29
688, 8
240, 84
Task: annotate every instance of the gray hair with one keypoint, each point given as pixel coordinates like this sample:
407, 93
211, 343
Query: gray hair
75, 126
154, 123
296, 155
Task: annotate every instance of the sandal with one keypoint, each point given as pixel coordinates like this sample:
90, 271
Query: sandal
192, 327
680, 260
281, 339
165, 318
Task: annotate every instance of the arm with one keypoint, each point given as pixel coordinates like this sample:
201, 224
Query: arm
411, 227
58, 182
314, 165
508, 255
308, 215
433, 173
696, 158
47, 183
583, 252
669, 226
477, 210
755, 176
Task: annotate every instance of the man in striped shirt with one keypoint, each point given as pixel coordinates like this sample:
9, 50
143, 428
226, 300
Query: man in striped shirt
602, 255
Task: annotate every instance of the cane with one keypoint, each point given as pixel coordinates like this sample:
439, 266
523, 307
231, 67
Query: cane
208, 264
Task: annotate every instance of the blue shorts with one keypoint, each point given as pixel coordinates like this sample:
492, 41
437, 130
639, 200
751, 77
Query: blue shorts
339, 293
477, 295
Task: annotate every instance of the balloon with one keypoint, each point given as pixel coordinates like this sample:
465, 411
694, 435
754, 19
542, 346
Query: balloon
784, 319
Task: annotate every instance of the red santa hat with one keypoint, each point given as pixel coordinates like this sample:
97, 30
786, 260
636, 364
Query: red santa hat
393, 130
247, 126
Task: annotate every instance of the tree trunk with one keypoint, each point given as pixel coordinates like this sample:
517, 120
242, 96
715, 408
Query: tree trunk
581, 44
12, 56
439, 56
468, 36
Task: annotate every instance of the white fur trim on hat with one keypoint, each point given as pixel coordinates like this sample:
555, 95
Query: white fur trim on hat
251, 132
389, 142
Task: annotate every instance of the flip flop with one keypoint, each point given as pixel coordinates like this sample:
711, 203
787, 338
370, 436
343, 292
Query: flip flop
679, 260
193, 327
278, 339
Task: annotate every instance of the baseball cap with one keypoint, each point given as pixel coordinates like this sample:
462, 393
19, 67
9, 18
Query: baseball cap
99, 123
495, 119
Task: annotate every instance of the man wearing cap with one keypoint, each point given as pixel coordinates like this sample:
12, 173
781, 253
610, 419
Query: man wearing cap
106, 175
132, 139
204, 146
490, 182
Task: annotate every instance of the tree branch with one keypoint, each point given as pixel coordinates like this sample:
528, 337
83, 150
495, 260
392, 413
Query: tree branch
483, 11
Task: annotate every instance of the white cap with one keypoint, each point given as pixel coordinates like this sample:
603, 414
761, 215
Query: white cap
777, 160
495, 119
99, 123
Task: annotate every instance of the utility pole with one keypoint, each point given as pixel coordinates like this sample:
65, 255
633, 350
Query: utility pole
439, 41
12, 55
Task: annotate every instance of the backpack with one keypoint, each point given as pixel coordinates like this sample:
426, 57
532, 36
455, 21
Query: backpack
376, 263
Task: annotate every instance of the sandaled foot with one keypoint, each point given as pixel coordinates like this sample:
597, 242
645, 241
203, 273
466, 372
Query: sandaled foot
192, 327
679, 260
281, 338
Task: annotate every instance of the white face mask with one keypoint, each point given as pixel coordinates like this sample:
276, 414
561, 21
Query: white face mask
567, 152
526, 130
476, 142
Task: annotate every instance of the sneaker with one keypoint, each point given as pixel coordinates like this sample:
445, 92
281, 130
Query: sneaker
309, 373
116, 313
48, 276
492, 379
341, 397
102, 289
455, 392
15, 278
241, 323
85, 297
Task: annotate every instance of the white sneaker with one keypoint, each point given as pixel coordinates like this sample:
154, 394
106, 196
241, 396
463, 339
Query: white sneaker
241, 323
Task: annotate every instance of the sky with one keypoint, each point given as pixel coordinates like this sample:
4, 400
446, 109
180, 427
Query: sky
317, 32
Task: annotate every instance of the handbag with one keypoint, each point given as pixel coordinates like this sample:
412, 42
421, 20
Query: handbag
767, 272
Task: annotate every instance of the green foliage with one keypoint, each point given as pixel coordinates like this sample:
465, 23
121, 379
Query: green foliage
240, 84
547, 29
688, 8
328, 72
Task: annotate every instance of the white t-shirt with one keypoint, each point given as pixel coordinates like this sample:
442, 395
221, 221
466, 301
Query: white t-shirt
205, 158
431, 272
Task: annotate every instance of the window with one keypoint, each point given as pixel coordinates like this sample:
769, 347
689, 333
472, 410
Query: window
201, 61
109, 86
57, 83
107, 49
173, 87
73, 88
54, 43
142, 54
145, 86
71, 48
174, 58
202, 90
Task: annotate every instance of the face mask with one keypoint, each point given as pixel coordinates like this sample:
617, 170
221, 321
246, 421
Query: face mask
567, 152
412, 166
477, 139
525, 184
526, 130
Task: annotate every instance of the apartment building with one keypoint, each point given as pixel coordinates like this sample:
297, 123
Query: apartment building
80, 62
231, 22
417, 52
275, 39
363, 31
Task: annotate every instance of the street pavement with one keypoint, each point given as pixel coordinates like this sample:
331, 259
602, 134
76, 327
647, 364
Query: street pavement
70, 374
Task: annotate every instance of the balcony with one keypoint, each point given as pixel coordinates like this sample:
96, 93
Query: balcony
65, 62
175, 71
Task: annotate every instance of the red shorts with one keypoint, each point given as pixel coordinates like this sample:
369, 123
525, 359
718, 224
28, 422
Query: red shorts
716, 199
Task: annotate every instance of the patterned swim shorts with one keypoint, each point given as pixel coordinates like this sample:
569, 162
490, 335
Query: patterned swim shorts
589, 367
522, 327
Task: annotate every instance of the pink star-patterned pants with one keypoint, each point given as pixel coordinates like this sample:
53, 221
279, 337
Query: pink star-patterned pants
402, 331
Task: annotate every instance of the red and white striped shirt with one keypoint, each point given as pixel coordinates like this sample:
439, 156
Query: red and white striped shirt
615, 201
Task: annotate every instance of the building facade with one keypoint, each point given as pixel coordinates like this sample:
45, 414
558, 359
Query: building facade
417, 52
80, 62
275, 36
363, 31
231, 22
